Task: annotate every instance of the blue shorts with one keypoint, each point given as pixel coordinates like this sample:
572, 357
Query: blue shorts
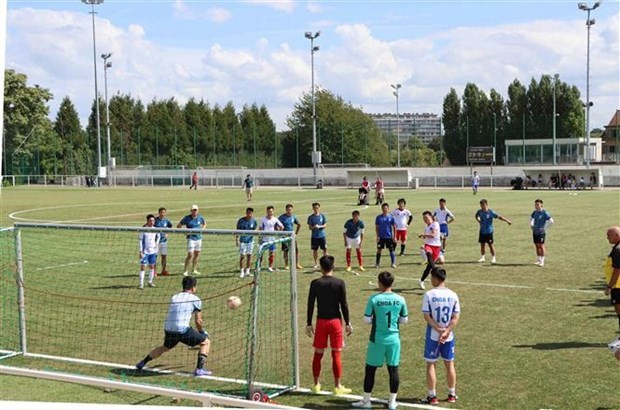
443, 230
271, 247
434, 350
148, 259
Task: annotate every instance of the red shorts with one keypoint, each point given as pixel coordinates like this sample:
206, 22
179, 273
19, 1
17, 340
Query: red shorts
434, 250
331, 328
401, 235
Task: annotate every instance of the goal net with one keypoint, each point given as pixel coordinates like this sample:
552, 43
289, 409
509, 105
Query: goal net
70, 303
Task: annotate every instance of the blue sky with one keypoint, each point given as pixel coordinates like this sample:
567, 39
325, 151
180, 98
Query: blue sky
255, 51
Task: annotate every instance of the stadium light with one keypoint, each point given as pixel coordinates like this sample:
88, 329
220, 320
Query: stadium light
315, 155
589, 22
555, 114
107, 64
92, 4
396, 93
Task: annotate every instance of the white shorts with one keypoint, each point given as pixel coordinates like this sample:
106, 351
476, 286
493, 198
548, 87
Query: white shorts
163, 248
246, 248
194, 245
354, 242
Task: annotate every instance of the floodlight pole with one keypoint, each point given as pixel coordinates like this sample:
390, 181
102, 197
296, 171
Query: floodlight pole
555, 84
92, 4
589, 22
315, 155
107, 64
396, 93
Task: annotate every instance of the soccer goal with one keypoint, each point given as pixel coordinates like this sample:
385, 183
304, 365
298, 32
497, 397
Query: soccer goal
70, 304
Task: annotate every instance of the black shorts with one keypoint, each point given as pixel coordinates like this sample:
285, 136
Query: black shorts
485, 238
615, 296
190, 338
316, 243
388, 243
539, 237
286, 246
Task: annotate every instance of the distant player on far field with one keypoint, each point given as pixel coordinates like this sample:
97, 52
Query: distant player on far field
540, 221
177, 327
385, 311
402, 218
441, 309
475, 181
148, 251
248, 185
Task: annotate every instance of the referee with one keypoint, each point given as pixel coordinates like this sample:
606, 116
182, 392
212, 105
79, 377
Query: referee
330, 295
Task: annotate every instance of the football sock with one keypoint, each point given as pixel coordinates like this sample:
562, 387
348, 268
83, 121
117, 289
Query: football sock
431, 265
271, 260
151, 275
542, 259
402, 248
316, 365
348, 257
147, 359
394, 381
141, 278
377, 259
359, 256
452, 391
392, 398
336, 364
202, 358
432, 393
369, 381
393, 257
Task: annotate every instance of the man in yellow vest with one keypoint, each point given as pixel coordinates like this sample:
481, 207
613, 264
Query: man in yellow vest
612, 276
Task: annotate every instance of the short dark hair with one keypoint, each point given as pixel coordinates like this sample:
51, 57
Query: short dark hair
315, 204
439, 273
401, 200
484, 201
356, 212
386, 279
269, 207
442, 200
161, 209
249, 209
540, 201
385, 204
429, 213
149, 216
189, 282
327, 263
288, 206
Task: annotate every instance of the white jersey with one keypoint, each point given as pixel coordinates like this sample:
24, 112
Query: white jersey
436, 239
182, 306
476, 180
401, 218
441, 304
148, 242
269, 225
441, 215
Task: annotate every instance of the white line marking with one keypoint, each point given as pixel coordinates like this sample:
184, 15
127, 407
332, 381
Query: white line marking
574, 290
62, 266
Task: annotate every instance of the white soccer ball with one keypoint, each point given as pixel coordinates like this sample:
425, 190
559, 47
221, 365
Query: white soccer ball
233, 302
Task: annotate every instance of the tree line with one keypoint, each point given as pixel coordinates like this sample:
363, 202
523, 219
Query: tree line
165, 133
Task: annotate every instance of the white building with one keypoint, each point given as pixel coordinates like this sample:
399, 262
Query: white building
424, 126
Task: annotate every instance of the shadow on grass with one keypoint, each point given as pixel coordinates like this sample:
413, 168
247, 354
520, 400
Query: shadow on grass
414, 291
561, 345
113, 287
330, 404
594, 303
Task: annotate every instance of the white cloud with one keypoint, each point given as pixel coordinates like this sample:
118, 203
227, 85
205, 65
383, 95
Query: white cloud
281, 5
213, 14
314, 8
54, 49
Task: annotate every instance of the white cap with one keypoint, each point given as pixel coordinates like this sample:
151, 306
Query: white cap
194, 207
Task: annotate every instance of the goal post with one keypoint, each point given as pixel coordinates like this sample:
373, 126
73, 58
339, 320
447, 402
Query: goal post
70, 304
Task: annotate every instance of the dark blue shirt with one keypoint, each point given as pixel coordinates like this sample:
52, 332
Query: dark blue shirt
353, 230
319, 219
193, 223
246, 225
540, 219
288, 222
384, 224
162, 223
486, 220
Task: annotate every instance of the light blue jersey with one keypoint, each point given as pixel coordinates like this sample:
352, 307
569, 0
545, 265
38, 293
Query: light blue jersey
486, 220
182, 307
193, 223
163, 223
539, 221
385, 309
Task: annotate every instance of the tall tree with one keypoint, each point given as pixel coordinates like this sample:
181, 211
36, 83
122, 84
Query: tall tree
75, 153
454, 143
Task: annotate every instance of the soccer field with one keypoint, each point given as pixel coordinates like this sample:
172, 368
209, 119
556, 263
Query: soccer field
528, 338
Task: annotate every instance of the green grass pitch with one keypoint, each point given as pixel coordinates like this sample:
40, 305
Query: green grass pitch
528, 338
